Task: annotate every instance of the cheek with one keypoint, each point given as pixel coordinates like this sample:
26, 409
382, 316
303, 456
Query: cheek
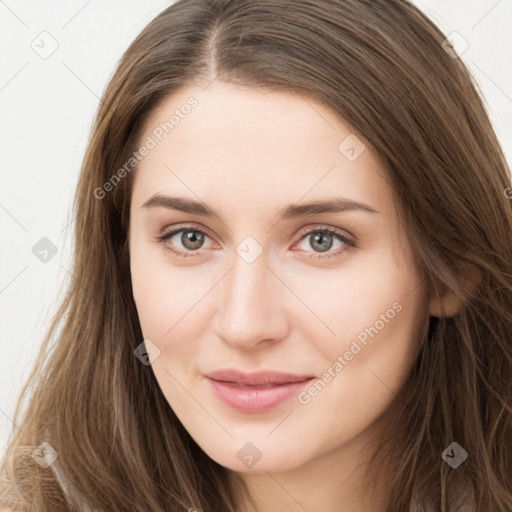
377, 326
374, 314
168, 298
377, 334
152, 283
370, 293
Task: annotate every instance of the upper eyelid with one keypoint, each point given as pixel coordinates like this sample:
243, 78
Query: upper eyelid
177, 228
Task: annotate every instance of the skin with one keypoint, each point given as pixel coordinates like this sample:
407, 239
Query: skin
247, 153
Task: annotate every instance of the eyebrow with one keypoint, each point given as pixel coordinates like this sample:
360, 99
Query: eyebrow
292, 211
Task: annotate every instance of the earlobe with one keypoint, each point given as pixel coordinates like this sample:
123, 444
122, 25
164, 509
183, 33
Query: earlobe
449, 304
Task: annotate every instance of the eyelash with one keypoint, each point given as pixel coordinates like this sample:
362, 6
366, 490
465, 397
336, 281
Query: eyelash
350, 244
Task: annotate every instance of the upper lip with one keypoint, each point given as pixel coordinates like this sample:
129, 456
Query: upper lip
256, 378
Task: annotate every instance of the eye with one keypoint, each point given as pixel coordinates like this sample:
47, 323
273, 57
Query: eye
321, 239
191, 240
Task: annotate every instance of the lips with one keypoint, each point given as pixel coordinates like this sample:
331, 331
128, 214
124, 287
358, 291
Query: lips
255, 392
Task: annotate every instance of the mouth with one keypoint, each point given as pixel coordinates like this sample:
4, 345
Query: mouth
257, 392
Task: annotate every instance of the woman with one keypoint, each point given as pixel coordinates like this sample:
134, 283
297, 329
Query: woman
209, 356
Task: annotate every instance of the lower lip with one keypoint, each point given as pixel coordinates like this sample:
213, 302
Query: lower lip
255, 399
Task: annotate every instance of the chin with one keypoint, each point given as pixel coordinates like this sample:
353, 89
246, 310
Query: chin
250, 458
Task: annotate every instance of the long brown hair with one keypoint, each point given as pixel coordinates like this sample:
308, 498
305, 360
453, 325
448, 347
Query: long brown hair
382, 67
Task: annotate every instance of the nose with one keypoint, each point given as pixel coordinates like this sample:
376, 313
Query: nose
251, 312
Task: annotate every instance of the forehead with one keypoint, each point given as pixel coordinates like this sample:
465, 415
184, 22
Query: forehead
247, 146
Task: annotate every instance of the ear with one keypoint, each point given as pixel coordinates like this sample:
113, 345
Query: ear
448, 304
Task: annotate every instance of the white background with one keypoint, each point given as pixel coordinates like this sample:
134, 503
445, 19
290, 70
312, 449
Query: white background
47, 107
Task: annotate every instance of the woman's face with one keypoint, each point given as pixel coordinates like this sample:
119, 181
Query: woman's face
256, 285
